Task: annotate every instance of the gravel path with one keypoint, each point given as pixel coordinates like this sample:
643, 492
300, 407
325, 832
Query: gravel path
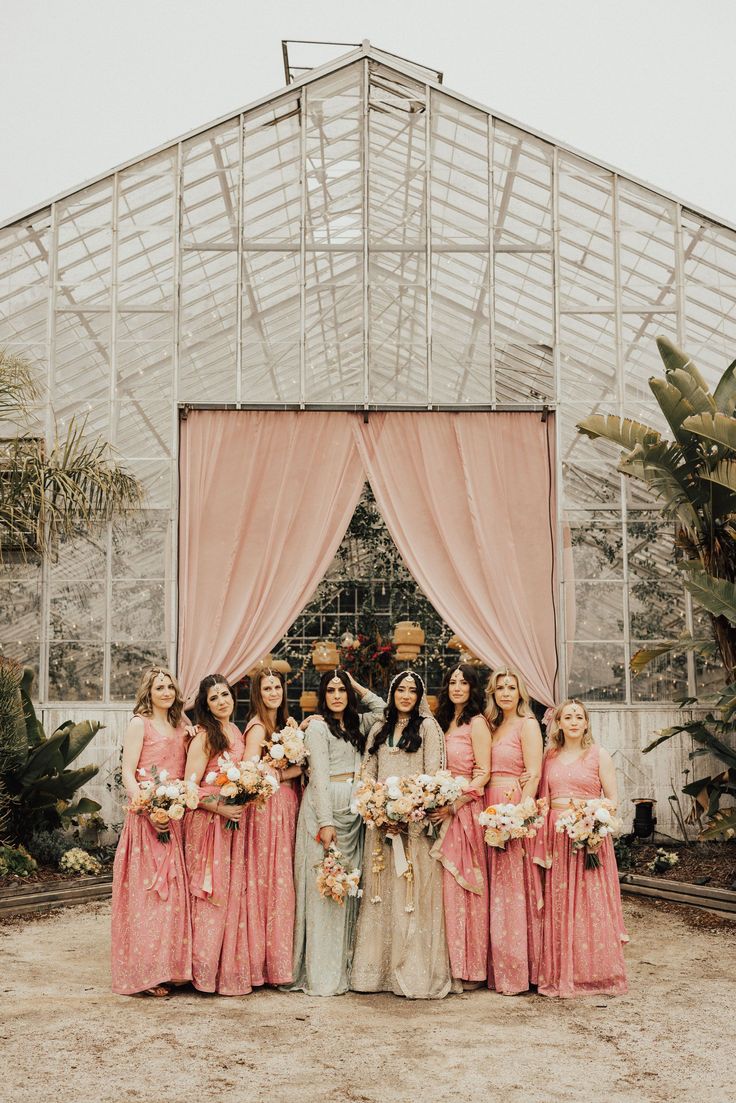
64, 1036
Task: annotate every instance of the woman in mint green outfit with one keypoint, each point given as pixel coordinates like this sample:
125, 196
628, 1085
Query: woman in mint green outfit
323, 930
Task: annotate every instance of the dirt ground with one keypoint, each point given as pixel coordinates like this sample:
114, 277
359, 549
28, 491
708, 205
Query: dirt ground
64, 1035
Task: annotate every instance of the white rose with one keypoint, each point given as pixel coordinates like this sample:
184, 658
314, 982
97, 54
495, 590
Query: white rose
163, 774
277, 753
272, 781
392, 781
394, 793
602, 815
424, 779
233, 773
602, 831
172, 791
161, 791
276, 737
210, 777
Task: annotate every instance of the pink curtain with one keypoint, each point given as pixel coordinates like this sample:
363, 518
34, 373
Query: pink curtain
265, 499
467, 499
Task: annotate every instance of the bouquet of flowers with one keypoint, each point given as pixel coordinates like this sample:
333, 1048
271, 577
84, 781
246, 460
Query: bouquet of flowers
382, 804
587, 823
245, 782
163, 799
512, 821
285, 748
334, 881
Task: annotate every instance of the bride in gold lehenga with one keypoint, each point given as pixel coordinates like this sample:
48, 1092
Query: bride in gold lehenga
400, 943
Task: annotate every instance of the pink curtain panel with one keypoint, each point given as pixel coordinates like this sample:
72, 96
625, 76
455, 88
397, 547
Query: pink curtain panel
266, 498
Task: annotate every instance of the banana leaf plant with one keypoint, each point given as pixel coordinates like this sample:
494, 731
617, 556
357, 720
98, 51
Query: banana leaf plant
693, 474
37, 788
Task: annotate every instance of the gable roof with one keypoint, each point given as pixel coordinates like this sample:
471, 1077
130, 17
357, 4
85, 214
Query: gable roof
410, 69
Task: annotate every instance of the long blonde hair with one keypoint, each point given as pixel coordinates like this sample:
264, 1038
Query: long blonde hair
143, 703
494, 715
556, 735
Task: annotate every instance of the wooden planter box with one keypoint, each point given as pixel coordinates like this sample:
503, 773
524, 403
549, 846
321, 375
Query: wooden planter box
681, 892
41, 896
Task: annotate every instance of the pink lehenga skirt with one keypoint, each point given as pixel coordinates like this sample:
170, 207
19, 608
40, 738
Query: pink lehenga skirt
462, 852
583, 930
215, 858
270, 836
516, 899
151, 933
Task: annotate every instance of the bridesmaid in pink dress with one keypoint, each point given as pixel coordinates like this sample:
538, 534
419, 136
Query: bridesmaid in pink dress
460, 847
516, 883
584, 929
151, 941
215, 855
270, 833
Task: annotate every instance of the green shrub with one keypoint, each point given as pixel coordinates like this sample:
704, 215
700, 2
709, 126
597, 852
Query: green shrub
15, 861
47, 847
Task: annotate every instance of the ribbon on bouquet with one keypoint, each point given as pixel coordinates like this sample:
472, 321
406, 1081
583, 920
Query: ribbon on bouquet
401, 865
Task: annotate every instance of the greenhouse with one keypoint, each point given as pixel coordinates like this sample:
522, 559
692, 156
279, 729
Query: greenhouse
364, 242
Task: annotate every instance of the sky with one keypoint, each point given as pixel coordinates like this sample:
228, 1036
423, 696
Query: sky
643, 85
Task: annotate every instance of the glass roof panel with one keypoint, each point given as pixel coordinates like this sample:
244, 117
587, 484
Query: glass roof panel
586, 236
710, 295
461, 340
459, 203
334, 163
272, 183
398, 328
397, 159
522, 189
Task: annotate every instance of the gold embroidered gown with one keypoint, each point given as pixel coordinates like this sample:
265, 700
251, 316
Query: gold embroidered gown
397, 950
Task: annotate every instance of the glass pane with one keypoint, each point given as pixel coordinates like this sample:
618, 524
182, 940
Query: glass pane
641, 359
599, 610
127, 663
459, 173
77, 610
334, 327
272, 183
84, 252
20, 612
461, 340
663, 679
523, 305
208, 340
146, 231
271, 331
334, 175
24, 283
597, 672
710, 295
656, 593
522, 190
80, 560
398, 328
646, 247
210, 170
140, 547
396, 183
586, 235
138, 611
588, 358
75, 672
596, 543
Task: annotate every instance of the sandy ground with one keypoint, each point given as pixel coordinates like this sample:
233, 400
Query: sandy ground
64, 1036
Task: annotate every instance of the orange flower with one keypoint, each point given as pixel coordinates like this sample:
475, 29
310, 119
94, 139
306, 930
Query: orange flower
160, 816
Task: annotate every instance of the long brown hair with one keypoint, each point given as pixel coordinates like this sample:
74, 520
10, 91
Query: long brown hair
143, 703
258, 706
216, 740
556, 735
494, 715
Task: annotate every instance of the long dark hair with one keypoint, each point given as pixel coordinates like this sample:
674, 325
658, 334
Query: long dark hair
257, 705
411, 737
216, 739
475, 704
350, 717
